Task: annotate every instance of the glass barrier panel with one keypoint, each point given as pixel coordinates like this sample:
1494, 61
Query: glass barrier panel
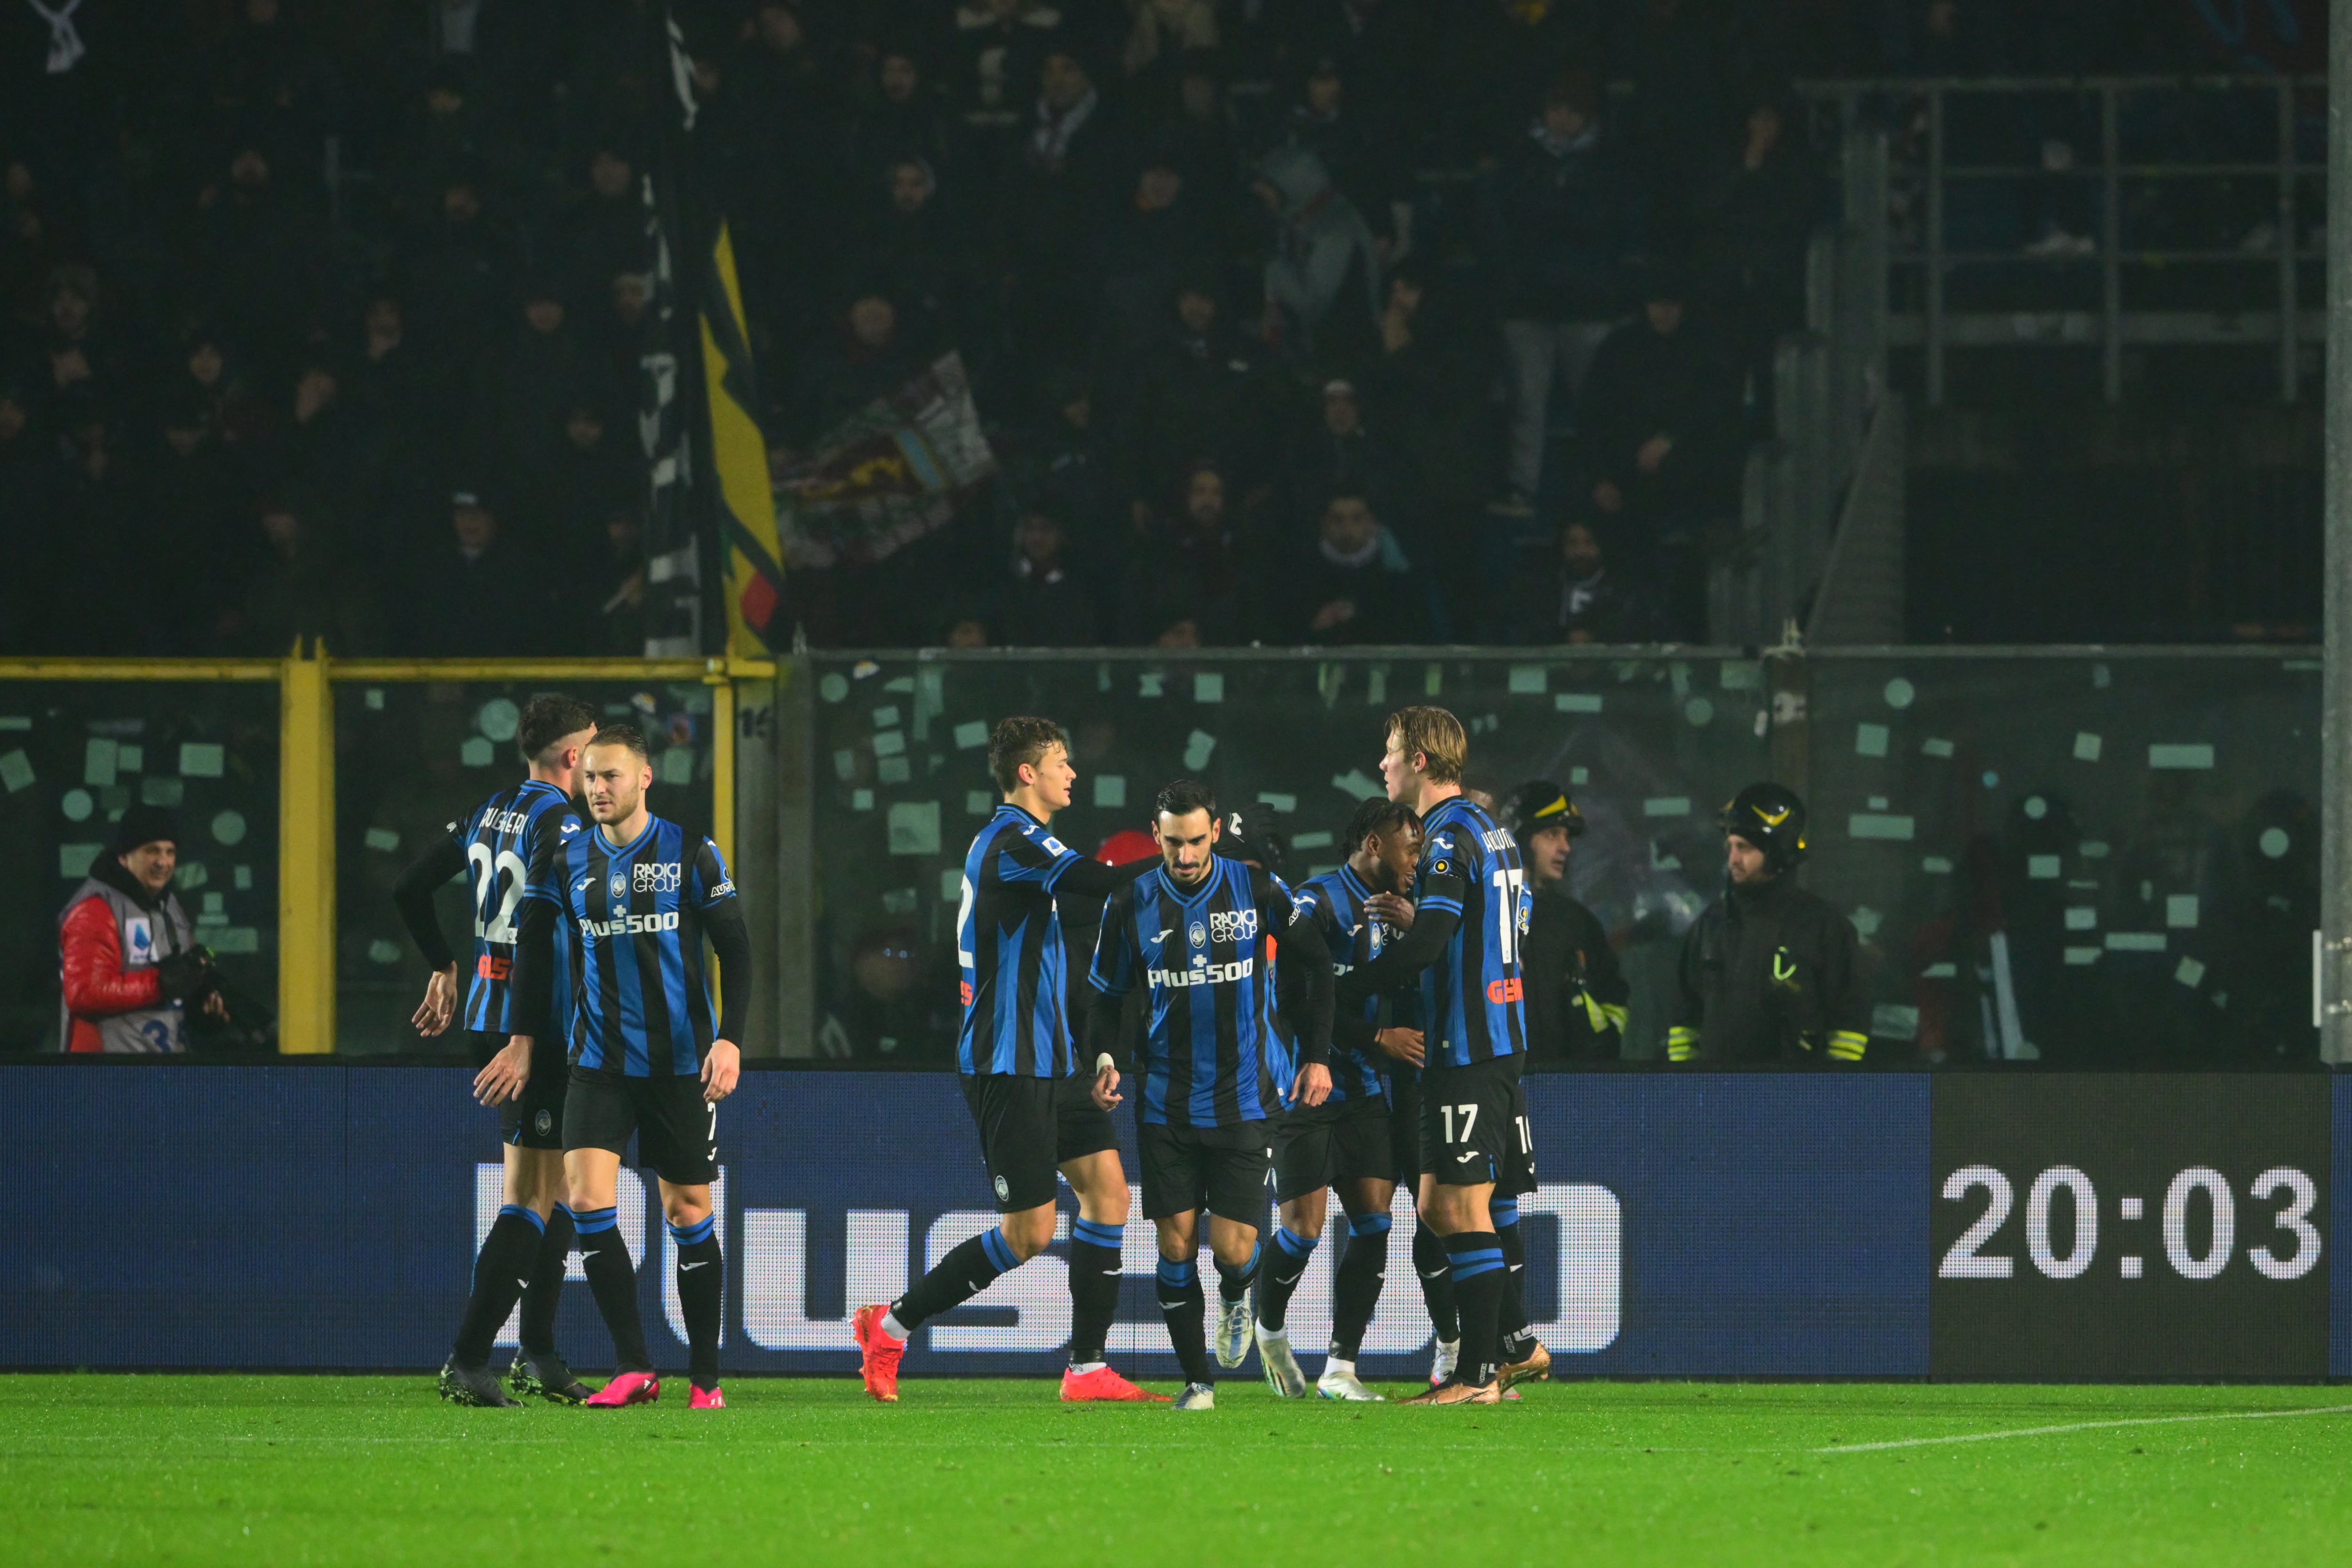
411, 756
2087, 860
74, 756
1650, 747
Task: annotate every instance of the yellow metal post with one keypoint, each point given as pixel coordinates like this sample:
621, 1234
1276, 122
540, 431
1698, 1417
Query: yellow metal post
306, 857
722, 759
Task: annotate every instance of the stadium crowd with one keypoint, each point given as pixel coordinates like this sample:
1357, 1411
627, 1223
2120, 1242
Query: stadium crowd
1301, 321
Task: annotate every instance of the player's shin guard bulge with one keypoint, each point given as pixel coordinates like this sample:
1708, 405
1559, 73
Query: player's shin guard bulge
1182, 1303
1356, 1286
501, 1270
545, 1293
613, 1278
701, 1296
1436, 1271
1095, 1274
1478, 1280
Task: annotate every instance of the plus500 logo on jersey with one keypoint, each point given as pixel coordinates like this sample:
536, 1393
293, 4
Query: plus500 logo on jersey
1204, 974
660, 878
630, 924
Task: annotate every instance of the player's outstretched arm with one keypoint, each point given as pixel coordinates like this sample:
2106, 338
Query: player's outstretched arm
412, 895
1084, 877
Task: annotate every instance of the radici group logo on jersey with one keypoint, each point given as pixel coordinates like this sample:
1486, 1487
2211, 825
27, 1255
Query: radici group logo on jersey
797, 1275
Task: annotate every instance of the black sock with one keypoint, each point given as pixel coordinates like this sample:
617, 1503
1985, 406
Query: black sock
1478, 1275
502, 1269
1182, 1304
613, 1278
1356, 1287
701, 1296
1437, 1273
1232, 1282
545, 1291
1280, 1277
1512, 1335
963, 1273
1095, 1274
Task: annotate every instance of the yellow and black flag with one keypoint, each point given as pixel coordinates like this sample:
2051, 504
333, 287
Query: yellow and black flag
710, 517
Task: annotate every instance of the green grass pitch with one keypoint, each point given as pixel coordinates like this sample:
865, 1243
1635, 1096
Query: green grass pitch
294, 1469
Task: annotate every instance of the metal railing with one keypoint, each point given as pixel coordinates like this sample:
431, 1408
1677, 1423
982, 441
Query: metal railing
1930, 176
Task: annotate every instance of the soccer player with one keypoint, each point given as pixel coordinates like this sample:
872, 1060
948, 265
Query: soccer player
646, 1056
1470, 910
512, 844
1034, 1113
1346, 1144
1197, 934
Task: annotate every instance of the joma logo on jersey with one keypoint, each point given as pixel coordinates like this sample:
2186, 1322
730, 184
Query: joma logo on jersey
660, 877
1203, 973
1234, 925
630, 924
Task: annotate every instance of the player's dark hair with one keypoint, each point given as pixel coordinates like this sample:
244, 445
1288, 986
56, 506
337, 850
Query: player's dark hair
1377, 815
548, 718
1018, 743
628, 735
1184, 797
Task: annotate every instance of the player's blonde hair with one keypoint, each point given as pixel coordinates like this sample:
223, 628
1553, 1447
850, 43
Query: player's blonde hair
1437, 736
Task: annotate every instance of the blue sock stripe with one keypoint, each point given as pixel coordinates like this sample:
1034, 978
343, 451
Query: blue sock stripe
687, 1235
590, 1221
1504, 1210
1257, 1250
1177, 1272
1464, 1269
1369, 1224
1297, 1246
1474, 1254
1000, 1252
537, 1223
1096, 1234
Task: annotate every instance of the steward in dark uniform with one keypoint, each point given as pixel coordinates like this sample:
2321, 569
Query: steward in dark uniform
1768, 972
1576, 993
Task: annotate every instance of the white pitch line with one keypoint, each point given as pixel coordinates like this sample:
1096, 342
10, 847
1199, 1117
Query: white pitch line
2088, 1426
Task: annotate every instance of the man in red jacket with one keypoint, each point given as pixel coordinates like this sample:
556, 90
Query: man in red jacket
131, 961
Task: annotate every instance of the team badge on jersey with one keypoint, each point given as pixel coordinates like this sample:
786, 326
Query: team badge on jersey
1199, 934
620, 885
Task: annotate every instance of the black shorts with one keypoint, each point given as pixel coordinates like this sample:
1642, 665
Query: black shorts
1316, 1146
1404, 1128
1029, 1128
1474, 1126
1220, 1169
533, 1119
677, 1128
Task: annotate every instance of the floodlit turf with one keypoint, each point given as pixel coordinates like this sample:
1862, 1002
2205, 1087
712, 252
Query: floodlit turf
374, 1470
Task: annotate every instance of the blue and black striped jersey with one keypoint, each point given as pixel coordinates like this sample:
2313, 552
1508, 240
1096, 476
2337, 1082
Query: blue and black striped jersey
641, 1006
513, 843
1336, 900
1211, 1058
1009, 945
1472, 997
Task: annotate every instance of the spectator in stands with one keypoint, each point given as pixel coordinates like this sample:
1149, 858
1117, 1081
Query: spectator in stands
128, 950
482, 597
1339, 456
1662, 421
906, 118
611, 618
917, 254
193, 521
1045, 605
1555, 227
525, 388
456, 262
1201, 392
1751, 221
1581, 599
1354, 585
1352, 146
868, 359
1061, 179
600, 230
1323, 280
1182, 588
300, 591
259, 259
999, 53
1156, 239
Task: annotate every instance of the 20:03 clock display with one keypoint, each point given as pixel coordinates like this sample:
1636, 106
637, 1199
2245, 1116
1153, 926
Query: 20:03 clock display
2095, 1227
